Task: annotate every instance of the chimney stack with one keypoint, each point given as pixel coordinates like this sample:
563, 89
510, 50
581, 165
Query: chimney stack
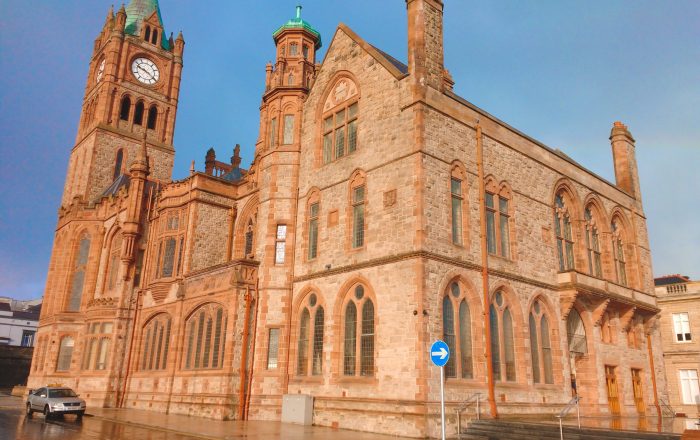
425, 48
624, 159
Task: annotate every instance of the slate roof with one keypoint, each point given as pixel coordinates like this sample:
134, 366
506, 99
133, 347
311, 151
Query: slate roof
396, 63
113, 189
298, 23
671, 279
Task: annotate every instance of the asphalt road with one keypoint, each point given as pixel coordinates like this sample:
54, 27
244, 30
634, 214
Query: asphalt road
15, 425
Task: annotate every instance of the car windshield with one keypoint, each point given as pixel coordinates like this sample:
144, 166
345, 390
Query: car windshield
65, 392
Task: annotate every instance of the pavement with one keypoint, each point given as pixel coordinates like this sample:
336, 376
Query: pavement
129, 424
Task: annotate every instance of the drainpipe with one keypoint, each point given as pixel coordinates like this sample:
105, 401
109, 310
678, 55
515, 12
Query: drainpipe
653, 376
244, 352
120, 403
485, 272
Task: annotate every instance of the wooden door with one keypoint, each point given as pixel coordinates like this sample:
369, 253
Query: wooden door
613, 393
637, 390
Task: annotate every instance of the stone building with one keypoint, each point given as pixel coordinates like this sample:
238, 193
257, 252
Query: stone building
381, 212
679, 301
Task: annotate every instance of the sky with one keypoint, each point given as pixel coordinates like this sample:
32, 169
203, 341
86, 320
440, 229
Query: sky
561, 71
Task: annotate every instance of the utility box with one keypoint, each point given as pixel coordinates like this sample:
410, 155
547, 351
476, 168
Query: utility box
298, 408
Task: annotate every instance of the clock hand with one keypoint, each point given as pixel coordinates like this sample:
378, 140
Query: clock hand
144, 71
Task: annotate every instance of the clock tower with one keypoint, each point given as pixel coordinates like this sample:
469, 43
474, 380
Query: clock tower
131, 93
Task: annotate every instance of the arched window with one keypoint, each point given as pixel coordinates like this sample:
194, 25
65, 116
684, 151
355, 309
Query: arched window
206, 337
562, 229
457, 192
358, 353
138, 113
457, 333
293, 49
310, 332
156, 343
312, 225
125, 108
290, 79
170, 257
113, 262
576, 333
78, 280
618, 247
592, 244
540, 345
152, 117
502, 344
497, 220
154, 37
65, 353
340, 115
118, 164
147, 35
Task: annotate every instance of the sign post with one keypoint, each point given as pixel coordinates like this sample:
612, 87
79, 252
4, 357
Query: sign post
440, 354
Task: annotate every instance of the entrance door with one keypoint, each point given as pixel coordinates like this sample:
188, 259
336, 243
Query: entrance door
637, 389
613, 394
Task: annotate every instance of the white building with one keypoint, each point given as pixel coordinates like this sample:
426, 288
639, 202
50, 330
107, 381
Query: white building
18, 321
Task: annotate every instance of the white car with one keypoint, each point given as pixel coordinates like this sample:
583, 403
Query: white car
54, 401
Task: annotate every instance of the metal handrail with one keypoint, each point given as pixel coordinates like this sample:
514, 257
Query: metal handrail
567, 409
474, 398
666, 407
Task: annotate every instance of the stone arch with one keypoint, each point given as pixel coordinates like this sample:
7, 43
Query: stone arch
247, 215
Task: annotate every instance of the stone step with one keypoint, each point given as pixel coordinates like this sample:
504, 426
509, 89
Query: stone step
516, 430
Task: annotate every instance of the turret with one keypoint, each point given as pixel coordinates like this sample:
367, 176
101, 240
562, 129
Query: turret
210, 161
179, 44
120, 21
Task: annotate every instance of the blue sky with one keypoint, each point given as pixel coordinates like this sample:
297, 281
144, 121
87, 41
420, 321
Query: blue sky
560, 71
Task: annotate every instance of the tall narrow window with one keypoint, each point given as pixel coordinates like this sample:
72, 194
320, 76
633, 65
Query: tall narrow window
681, 327
490, 223
206, 338
358, 216
465, 340
79, 267
313, 230
448, 335
272, 135
303, 344
118, 164
502, 342
358, 355
508, 345
340, 132
154, 37
288, 137
305, 51
592, 245
125, 108
546, 350
147, 35
114, 262
293, 49
103, 354
310, 343
273, 348
290, 79
618, 246
534, 350
168, 257
280, 243
503, 228
690, 388
562, 229
65, 353
495, 343
540, 346
152, 117
156, 343
248, 248
138, 113
457, 198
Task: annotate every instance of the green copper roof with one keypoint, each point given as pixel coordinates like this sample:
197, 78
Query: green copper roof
137, 12
298, 23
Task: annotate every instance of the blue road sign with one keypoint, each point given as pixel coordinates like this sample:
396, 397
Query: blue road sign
439, 353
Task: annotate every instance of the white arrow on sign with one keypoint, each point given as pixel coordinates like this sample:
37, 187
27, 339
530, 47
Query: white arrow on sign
442, 353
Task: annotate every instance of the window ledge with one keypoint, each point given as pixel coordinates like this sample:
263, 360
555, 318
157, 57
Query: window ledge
370, 380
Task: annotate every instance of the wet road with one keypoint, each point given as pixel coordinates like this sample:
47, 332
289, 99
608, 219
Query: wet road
15, 425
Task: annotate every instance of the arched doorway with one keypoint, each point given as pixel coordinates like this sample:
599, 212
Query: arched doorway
578, 346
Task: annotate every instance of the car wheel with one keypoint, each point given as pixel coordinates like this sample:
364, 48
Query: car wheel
81, 414
29, 409
47, 412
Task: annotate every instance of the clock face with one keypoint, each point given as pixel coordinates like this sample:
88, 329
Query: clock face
100, 70
145, 70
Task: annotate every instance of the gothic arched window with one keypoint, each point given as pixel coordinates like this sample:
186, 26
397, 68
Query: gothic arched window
592, 244
147, 35
125, 108
540, 345
502, 343
497, 220
358, 353
79, 265
457, 333
310, 334
248, 249
154, 37
152, 117
339, 120
113, 262
562, 229
138, 113
618, 246
156, 343
206, 337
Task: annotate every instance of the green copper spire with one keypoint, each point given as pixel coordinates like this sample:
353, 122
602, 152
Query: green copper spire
298, 23
137, 12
